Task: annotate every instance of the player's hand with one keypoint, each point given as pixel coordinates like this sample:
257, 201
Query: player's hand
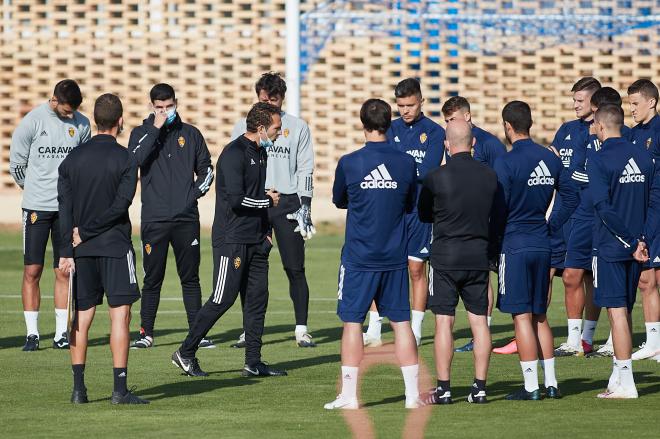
275, 196
641, 253
76, 237
67, 265
303, 217
159, 118
553, 149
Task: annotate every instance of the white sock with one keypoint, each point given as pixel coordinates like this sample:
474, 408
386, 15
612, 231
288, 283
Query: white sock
609, 340
32, 322
489, 318
416, 323
530, 374
653, 335
60, 323
613, 383
349, 378
375, 324
626, 373
301, 329
574, 331
589, 330
549, 378
410, 379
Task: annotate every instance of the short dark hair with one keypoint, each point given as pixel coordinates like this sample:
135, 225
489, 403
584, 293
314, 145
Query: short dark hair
376, 115
161, 92
68, 92
107, 111
644, 87
408, 87
455, 103
610, 115
519, 116
604, 96
587, 83
272, 83
261, 114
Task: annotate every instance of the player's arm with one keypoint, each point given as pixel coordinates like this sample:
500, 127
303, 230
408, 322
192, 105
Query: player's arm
568, 191
142, 143
599, 187
232, 167
425, 203
119, 206
203, 170
19, 151
65, 208
652, 226
305, 166
499, 210
340, 188
86, 134
434, 153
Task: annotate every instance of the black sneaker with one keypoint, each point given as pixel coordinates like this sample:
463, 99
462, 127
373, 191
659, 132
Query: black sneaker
62, 343
438, 396
478, 397
206, 343
262, 369
31, 343
143, 341
552, 392
127, 398
524, 395
79, 397
189, 365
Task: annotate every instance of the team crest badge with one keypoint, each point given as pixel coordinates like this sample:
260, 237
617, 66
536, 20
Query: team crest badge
71, 131
285, 133
147, 248
33, 217
237, 262
648, 142
422, 138
182, 141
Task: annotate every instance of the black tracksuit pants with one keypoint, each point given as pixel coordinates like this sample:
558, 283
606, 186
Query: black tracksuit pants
185, 240
237, 269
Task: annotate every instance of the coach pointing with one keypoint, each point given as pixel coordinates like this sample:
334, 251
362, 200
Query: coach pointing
457, 198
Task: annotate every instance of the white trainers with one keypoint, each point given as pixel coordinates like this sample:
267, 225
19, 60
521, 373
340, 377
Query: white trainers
644, 352
619, 393
342, 403
414, 403
370, 341
567, 350
304, 340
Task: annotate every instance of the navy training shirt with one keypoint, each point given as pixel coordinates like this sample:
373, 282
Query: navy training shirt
648, 136
377, 184
620, 178
487, 148
527, 178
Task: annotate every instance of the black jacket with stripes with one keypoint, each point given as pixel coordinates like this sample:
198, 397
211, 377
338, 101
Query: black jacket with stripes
241, 205
169, 158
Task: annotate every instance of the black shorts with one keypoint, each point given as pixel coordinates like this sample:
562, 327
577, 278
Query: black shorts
37, 226
445, 286
114, 276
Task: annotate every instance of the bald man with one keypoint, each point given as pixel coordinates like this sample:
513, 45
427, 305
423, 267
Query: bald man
457, 198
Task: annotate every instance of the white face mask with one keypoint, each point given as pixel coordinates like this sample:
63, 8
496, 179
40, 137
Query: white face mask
265, 143
171, 115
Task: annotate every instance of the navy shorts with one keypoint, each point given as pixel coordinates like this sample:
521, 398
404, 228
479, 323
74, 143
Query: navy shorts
357, 289
578, 247
558, 246
615, 283
419, 238
654, 252
524, 278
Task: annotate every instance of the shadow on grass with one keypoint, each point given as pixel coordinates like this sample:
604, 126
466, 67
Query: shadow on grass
193, 386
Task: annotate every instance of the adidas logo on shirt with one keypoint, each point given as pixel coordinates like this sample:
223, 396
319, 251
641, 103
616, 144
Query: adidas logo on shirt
379, 178
396, 139
195, 242
567, 137
631, 173
541, 175
44, 133
657, 259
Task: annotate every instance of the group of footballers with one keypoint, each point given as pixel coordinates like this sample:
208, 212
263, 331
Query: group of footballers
586, 208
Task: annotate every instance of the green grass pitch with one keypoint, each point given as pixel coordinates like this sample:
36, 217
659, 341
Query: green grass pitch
35, 387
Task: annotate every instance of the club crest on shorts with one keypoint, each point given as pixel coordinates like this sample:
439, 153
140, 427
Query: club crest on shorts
182, 141
286, 132
147, 248
71, 131
237, 262
33, 217
648, 142
422, 138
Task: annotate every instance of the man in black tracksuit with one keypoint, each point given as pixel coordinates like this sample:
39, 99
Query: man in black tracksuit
95, 187
241, 242
169, 152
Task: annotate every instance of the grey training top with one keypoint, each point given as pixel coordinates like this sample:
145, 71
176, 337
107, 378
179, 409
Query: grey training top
39, 144
291, 159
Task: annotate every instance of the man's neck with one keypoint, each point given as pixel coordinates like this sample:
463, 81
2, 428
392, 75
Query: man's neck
374, 136
611, 135
112, 132
649, 117
588, 118
516, 137
253, 137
